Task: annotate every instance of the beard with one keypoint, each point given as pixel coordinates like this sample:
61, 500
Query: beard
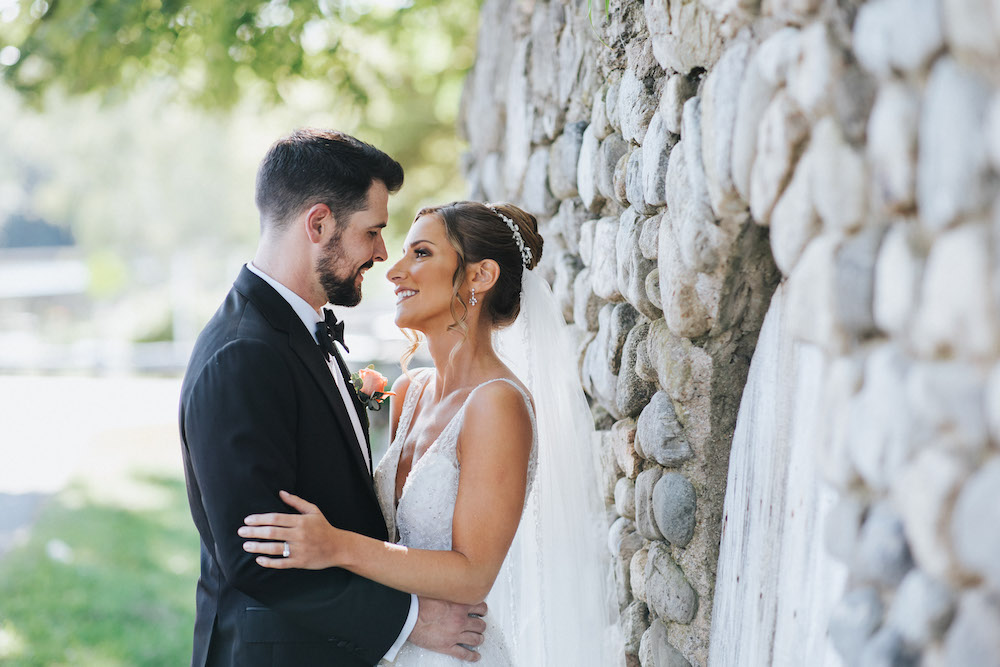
340, 290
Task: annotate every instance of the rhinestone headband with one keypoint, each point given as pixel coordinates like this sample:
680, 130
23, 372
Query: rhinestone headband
525, 250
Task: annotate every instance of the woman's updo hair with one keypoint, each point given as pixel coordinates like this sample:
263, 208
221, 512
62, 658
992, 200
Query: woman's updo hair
477, 233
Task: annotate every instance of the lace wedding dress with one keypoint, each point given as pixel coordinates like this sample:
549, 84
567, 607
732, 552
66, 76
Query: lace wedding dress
423, 518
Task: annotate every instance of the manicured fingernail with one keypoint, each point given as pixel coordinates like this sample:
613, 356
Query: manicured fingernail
242, 532
260, 560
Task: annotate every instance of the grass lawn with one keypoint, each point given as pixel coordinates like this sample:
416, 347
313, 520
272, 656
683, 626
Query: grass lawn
107, 575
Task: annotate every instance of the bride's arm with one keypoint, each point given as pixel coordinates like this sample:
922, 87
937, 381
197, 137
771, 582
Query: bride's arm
494, 447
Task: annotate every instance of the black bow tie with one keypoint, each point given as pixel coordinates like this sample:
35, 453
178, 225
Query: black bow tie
328, 331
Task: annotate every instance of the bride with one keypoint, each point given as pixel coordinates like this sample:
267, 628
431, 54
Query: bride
476, 445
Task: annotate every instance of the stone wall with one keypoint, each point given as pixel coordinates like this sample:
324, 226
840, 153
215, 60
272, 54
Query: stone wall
705, 152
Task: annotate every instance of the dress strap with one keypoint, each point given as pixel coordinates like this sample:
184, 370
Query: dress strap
413, 393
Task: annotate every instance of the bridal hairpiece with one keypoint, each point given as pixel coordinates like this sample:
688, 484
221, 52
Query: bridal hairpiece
525, 250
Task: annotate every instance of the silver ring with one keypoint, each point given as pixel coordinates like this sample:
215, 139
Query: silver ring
286, 552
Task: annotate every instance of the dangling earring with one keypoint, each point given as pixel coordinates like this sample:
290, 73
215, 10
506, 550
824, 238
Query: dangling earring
472, 297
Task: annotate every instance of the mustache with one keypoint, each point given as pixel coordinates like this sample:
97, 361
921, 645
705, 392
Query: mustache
367, 265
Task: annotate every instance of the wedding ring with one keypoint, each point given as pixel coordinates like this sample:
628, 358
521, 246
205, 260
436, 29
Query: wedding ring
286, 552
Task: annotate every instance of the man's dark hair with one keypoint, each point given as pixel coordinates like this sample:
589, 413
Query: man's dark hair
312, 166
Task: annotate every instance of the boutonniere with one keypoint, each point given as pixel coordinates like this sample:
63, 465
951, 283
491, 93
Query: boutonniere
370, 387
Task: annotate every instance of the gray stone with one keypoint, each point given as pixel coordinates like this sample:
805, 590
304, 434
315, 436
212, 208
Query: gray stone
635, 622
599, 381
633, 391
892, 145
619, 181
947, 403
625, 498
613, 147
925, 493
854, 276
993, 130
674, 505
878, 426
685, 35
586, 304
622, 439
794, 221
611, 103
992, 402
536, 196
952, 174
604, 267
644, 367
897, 280
624, 542
588, 229
810, 295
607, 468
780, 137
656, 651
570, 57
621, 320
637, 573
684, 370
645, 521
843, 523
634, 185
686, 315
491, 177
897, 34
922, 609
649, 237
569, 220
632, 266
564, 158
517, 132
568, 266
599, 124
636, 107
882, 555
970, 33
853, 97
957, 312
586, 171
973, 638
886, 649
678, 90
977, 513
668, 592
656, 148
653, 288
812, 78
853, 621
840, 178
659, 435
756, 93
722, 87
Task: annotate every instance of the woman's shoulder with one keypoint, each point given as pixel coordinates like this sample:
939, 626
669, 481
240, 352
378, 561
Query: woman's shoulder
403, 382
504, 396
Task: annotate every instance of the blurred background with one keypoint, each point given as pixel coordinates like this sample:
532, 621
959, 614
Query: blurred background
130, 133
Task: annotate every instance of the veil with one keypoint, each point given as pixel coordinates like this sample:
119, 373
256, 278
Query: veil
554, 594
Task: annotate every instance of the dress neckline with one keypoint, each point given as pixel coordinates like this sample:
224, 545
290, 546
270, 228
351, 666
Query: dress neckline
409, 409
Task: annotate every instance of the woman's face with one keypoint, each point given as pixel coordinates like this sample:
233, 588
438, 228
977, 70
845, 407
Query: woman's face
423, 277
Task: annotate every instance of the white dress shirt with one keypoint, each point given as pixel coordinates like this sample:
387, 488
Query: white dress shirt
310, 316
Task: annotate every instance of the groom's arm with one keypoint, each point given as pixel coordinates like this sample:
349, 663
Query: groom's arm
240, 428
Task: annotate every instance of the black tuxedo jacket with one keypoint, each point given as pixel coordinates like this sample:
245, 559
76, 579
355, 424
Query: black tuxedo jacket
260, 412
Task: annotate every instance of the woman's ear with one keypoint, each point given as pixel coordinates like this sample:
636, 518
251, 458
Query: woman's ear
483, 275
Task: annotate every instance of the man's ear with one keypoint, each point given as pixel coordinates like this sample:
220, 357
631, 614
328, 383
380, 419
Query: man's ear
319, 223
483, 275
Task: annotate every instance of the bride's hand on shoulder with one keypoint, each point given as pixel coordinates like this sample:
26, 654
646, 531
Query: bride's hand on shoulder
307, 538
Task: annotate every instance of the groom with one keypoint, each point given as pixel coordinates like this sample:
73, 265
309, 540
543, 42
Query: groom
265, 407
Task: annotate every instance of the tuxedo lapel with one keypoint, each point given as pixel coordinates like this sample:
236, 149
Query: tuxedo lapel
281, 316
359, 407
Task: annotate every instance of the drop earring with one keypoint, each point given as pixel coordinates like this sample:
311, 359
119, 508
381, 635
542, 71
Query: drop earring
472, 297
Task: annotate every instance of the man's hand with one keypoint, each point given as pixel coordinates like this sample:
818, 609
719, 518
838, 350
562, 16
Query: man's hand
449, 628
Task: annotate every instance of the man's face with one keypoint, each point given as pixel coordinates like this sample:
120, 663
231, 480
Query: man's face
354, 248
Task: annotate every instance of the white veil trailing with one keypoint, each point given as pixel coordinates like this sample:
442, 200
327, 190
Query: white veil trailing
554, 594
